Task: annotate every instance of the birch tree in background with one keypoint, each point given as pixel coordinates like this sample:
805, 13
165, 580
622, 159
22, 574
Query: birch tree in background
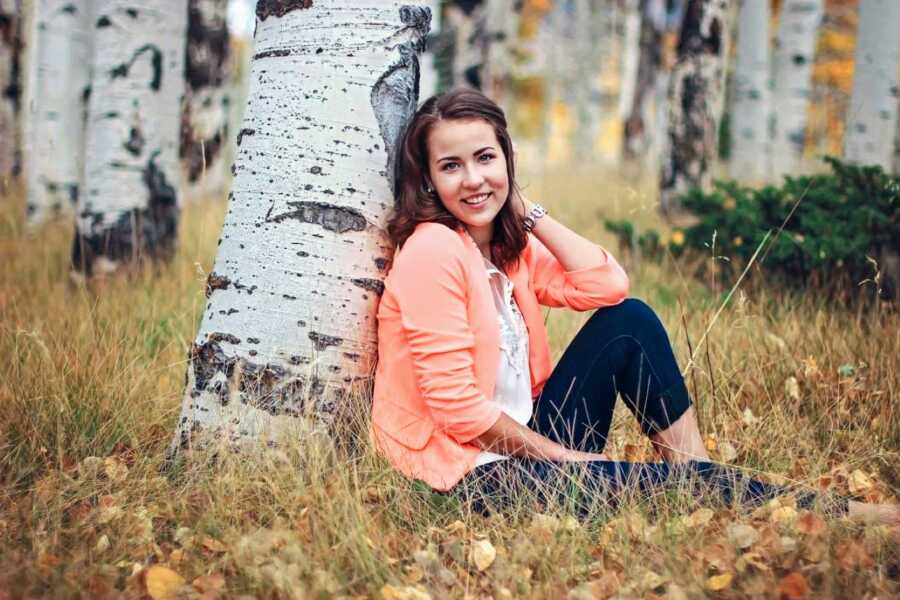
303, 251
588, 37
872, 117
429, 81
129, 207
751, 111
56, 111
696, 96
465, 21
501, 22
631, 52
795, 46
9, 88
204, 124
643, 118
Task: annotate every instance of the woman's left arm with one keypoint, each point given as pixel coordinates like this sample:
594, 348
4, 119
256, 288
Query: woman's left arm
573, 251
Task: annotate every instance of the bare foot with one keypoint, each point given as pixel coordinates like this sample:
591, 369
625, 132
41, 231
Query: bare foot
681, 442
874, 514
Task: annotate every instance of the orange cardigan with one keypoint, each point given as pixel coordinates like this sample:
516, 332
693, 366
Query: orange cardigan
439, 343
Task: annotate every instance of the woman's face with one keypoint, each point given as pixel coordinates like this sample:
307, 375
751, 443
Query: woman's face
468, 171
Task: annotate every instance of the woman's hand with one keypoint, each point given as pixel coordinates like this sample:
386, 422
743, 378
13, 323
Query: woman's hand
576, 456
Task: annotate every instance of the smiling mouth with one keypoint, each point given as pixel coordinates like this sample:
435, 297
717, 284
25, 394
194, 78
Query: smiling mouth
476, 200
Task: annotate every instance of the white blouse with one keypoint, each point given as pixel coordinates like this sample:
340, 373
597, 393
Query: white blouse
513, 389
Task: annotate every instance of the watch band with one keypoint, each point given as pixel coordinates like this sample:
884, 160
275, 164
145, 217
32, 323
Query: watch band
537, 211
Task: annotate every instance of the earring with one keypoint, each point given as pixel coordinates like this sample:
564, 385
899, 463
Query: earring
429, 189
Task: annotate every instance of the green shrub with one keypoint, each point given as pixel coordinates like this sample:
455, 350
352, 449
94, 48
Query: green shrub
829, 229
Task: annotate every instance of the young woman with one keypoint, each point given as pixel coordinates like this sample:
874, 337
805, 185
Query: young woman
464, 389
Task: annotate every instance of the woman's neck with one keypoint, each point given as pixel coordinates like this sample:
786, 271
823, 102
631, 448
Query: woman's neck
482, 238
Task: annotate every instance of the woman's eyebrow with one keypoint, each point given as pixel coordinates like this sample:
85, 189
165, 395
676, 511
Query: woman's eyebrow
476, 153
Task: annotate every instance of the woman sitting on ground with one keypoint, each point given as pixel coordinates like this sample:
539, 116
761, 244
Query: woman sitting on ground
464, 390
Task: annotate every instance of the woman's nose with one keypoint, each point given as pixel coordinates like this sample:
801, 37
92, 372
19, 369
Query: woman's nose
473, 178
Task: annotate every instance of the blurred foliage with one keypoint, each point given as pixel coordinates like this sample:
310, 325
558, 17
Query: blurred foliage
824, 229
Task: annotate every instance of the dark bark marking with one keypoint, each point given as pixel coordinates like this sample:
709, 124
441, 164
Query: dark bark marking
366, 283
131, 12
245, 131
322, 341
156, 58
149, 231
381, 263
339, 219
103, 22
135, 143
396, 92
216, 282
223, 337
279, 8
268, 53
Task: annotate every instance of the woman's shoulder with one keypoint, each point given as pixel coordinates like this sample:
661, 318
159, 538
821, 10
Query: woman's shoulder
432, 238
431, 244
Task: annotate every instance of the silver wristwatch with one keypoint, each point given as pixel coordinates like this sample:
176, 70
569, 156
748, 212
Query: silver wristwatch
537, 211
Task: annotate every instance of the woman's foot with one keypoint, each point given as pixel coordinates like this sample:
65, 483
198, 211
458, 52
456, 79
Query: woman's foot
874, 514
681, 442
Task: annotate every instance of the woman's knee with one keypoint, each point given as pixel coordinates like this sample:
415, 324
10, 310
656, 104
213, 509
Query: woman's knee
632, 311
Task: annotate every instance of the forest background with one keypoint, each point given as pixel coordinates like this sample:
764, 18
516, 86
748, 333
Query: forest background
784, 323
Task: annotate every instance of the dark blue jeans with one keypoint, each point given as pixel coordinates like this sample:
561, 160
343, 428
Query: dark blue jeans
621, 350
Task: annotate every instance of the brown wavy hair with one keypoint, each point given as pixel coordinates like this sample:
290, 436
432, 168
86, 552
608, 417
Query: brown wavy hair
414, 204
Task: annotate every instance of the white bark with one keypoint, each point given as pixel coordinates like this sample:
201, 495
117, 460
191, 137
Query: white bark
795, 47
631, 47
205, 134
501, 21
751, 110
428, 73
872, 117
9, 87
129, 207
55, 135
695, 101
303, 251
467, 24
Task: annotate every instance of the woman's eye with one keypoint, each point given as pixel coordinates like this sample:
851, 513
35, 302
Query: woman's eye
486, 157
448, 166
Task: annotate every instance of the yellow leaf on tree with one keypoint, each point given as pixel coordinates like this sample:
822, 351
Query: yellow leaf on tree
162, 583
718, 582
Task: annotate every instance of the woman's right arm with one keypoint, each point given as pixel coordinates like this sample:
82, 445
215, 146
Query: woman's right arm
509, 437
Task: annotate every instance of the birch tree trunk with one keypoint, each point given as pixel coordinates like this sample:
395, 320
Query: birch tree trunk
429, 80
795, 46
636, 139
695, 101
129, 208
872, 117
466, 20
10, 44
501, 22
290, 322
204, 124
751, 111
55, 134
587, 37
631, 47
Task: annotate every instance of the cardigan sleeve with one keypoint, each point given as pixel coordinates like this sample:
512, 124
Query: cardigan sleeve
603, 285
429, 282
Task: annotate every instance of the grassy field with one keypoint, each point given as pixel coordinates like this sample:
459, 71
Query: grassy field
786, 386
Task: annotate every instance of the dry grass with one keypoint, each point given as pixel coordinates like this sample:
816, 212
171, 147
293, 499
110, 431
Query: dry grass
91, 384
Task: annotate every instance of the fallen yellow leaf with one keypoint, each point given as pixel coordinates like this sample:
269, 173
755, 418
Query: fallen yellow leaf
742, 536
483, 554
859, 482
162, 583
390, 592
700, 517
718, 583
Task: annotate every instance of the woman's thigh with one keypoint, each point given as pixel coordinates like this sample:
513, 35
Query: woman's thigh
620, 349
